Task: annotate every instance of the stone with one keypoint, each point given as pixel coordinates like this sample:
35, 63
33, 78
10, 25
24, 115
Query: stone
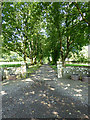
86, 79
75, 77
12, 77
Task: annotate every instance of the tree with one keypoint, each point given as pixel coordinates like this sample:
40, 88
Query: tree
19, 24
65, 29
69, 30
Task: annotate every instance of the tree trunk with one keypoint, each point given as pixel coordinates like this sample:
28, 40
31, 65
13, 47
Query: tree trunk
63, 63
35, 60
40, 61
25, 61
31, 61
48, 59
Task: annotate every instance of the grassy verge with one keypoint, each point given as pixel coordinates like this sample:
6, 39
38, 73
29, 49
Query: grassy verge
30, 69
10, 65
15, 65
55, 67
33, 68
75, 65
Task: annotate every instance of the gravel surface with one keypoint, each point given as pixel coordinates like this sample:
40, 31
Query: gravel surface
43, 95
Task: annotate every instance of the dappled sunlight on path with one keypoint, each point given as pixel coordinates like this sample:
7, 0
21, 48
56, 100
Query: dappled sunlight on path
44, 73
38, 97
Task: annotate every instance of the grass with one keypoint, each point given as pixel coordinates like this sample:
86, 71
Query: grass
75, 65
10, 65
30, 69
55, 66
17, 65
33, 68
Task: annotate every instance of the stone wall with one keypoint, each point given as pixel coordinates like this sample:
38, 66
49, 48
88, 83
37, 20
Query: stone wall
17, 71
0, 74
68, 71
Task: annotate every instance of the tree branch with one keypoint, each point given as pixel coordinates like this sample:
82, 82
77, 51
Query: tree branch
82, 14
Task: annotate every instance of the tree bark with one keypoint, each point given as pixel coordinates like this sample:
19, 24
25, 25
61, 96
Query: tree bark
62, 57
32, 61
63, 63
35, 62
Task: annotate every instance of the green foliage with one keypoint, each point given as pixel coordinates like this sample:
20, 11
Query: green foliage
81, 56
33, 68
65, 29
21, 27
10, 57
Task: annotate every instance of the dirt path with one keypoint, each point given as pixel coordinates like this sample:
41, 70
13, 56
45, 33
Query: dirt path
41, 96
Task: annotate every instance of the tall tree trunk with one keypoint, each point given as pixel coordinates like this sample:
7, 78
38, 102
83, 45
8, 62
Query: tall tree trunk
61, 50
25, 55
41, 58
32, 61
63, 63
48, 59
40, 61
35, 60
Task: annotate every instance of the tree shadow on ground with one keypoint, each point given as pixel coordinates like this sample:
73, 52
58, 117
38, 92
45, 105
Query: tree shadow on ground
40, 100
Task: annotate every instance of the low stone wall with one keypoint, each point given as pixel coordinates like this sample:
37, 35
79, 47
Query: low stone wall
68, 71
17, 71
0, 74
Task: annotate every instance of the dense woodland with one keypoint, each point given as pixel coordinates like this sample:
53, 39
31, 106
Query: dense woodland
45, 29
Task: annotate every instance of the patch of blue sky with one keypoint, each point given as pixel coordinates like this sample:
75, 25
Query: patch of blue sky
12, 5
43, 32
22, 5
20, 41
2, 15
3, 22
7, 12
9, 41
63, 24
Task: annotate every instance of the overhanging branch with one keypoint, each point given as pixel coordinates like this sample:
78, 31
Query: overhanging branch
76, 4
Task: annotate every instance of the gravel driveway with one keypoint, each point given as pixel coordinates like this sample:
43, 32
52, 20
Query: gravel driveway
43, 95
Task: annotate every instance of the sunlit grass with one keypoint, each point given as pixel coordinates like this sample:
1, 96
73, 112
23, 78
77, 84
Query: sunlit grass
10, 65
55, 66
33, 68
75, 65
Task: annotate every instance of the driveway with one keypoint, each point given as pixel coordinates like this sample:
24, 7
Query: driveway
43, 95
